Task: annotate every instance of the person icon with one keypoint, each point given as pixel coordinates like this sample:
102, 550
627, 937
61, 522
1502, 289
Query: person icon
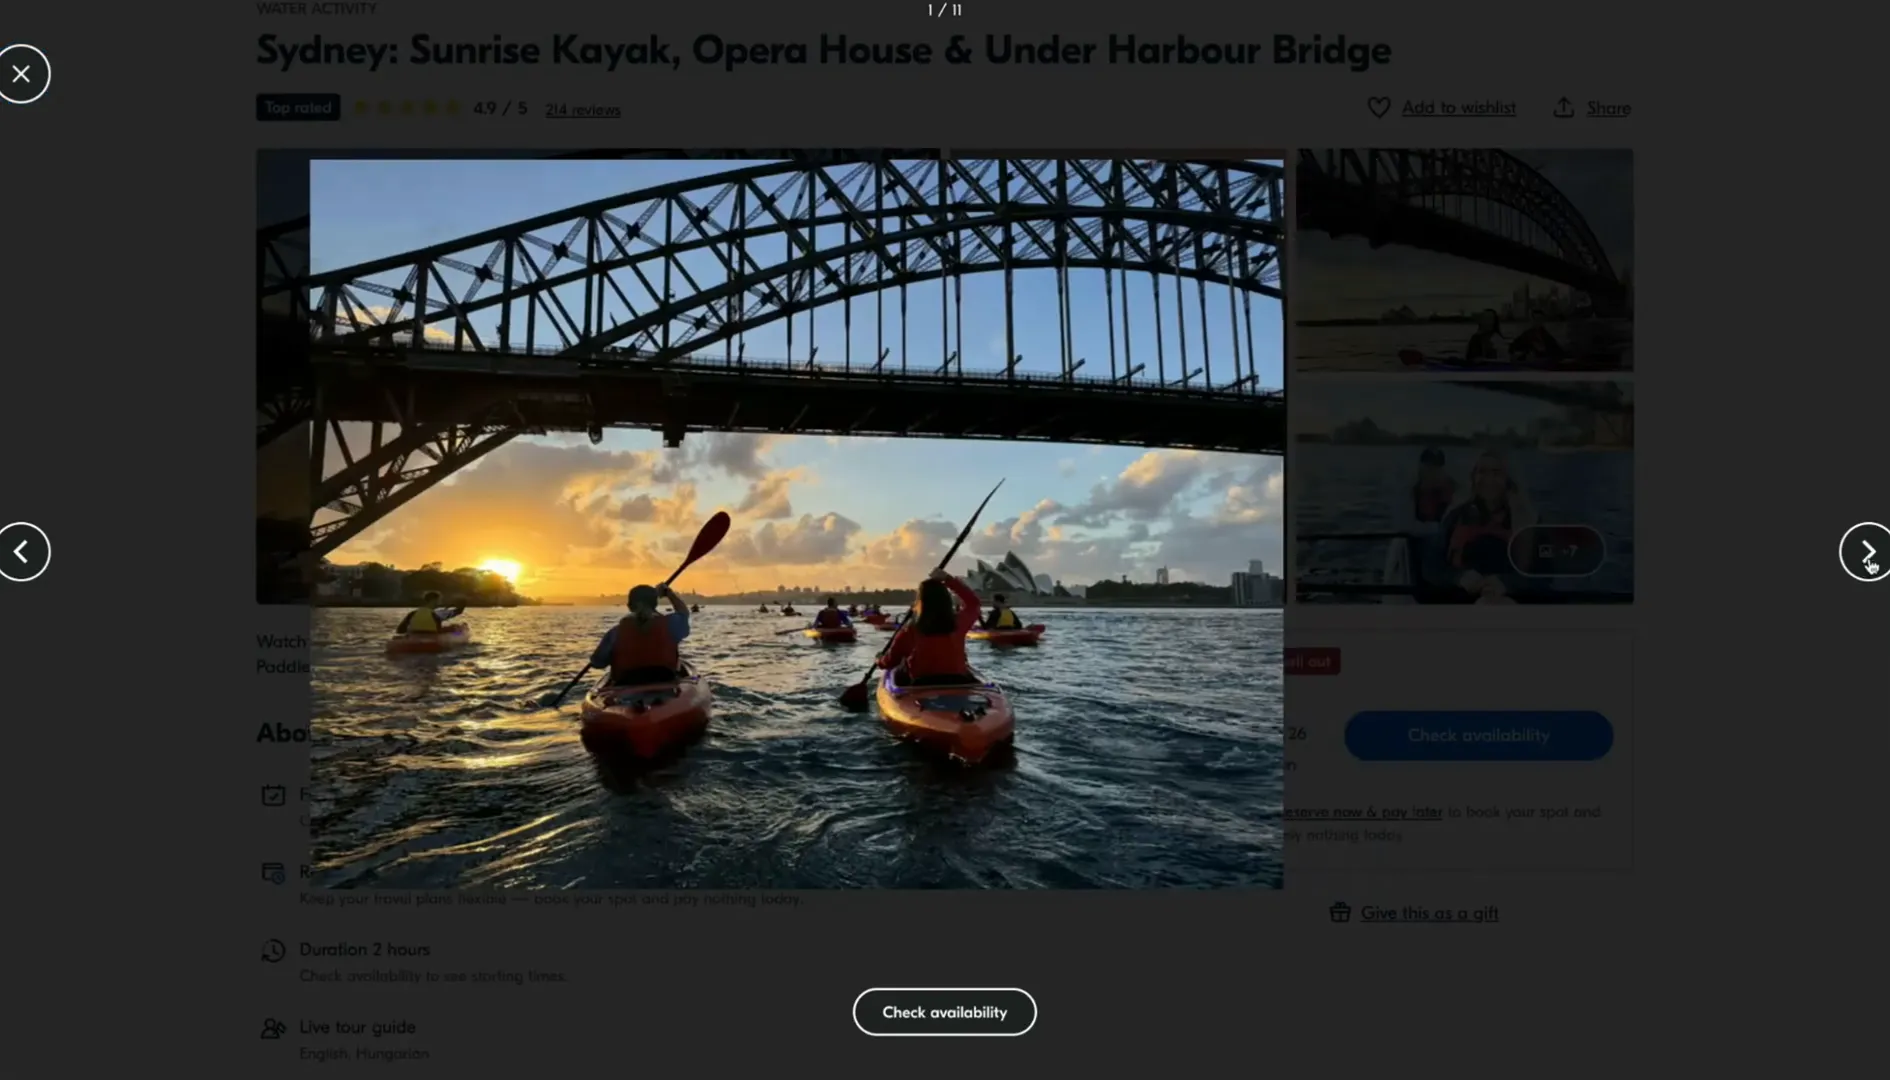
273, 1028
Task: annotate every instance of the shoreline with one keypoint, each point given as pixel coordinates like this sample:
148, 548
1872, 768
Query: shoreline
737, 605
348, 602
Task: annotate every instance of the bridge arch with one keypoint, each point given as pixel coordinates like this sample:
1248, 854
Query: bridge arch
1348, 191
902, 223
542, 293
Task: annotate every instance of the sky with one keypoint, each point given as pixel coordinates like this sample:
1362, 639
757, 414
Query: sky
362, 210
1347, 279
1429, 407
585, 520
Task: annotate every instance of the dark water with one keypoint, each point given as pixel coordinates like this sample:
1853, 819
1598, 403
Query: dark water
443, 772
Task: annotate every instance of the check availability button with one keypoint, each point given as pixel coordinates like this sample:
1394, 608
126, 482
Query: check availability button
944, 1012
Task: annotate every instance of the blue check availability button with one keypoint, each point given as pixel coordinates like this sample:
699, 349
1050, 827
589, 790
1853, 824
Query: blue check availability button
1479, 736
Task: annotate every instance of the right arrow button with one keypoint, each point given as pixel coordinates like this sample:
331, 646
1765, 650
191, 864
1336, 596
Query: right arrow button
1864, 552
28, 552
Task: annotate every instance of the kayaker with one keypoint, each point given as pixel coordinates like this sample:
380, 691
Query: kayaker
1536, 343
1001, 616
764, 609
831, 617
1474, 549
1486, 343
1434, 490
430, 619
931, 650
642, 647
789, 611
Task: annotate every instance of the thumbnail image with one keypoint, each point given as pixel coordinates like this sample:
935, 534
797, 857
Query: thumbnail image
722, 523
1443, 492
1463, 260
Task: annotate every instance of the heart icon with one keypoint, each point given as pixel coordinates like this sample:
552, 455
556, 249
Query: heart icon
1379, 106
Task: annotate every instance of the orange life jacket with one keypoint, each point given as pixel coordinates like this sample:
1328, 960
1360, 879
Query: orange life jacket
928, 655
1430, 503
645, 646
1466, 534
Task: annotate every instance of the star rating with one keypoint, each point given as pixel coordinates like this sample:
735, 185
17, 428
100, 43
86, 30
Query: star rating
406, 107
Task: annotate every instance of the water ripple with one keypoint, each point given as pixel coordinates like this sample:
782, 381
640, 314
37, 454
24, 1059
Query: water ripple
444, 772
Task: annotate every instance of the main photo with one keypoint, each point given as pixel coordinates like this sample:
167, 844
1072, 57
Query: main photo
838, 521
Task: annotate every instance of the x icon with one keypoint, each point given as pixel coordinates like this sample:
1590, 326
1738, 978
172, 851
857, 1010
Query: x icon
22, 74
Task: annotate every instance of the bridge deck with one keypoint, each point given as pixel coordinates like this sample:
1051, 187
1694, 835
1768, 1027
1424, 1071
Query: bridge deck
444, 387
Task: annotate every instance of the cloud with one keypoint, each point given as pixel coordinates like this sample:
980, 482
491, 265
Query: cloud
1200, 515
676, 512
1066, 467
586, 521
767, 497
537, 503
910, 551
1024, 534
1142, 491
735, 453
368, 315
809, 541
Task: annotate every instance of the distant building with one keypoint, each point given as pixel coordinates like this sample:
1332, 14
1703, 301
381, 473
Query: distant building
1257, 590
1256, 568
1045, 583
1008, 576
1161, 576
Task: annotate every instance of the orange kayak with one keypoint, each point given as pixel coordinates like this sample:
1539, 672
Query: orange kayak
964, 722
645, 720
1026, 635
839, 635
450, 638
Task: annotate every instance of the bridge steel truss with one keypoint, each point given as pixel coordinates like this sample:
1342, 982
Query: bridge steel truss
559, 287
1450, 184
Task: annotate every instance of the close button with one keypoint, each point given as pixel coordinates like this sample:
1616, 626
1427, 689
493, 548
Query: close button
24, 551
25, 74
944, 1012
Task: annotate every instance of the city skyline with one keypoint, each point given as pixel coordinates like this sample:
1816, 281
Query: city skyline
1347, 278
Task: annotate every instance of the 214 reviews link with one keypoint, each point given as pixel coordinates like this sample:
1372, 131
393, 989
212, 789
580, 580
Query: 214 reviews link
552, 110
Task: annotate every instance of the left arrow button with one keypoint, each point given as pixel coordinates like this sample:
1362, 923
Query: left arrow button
28, 551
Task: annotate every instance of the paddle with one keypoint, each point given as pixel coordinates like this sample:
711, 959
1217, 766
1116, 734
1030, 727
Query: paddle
854, 697
712, 533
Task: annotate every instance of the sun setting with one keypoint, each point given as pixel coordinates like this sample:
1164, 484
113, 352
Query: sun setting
505, 568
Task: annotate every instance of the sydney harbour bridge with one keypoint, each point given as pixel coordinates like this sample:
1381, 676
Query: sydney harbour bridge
1484, 205
853, 272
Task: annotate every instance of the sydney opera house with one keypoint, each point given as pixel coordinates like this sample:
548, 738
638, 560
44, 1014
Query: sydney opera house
1010, 576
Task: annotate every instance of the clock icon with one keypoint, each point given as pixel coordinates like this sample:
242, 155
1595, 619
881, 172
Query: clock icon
273, 951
